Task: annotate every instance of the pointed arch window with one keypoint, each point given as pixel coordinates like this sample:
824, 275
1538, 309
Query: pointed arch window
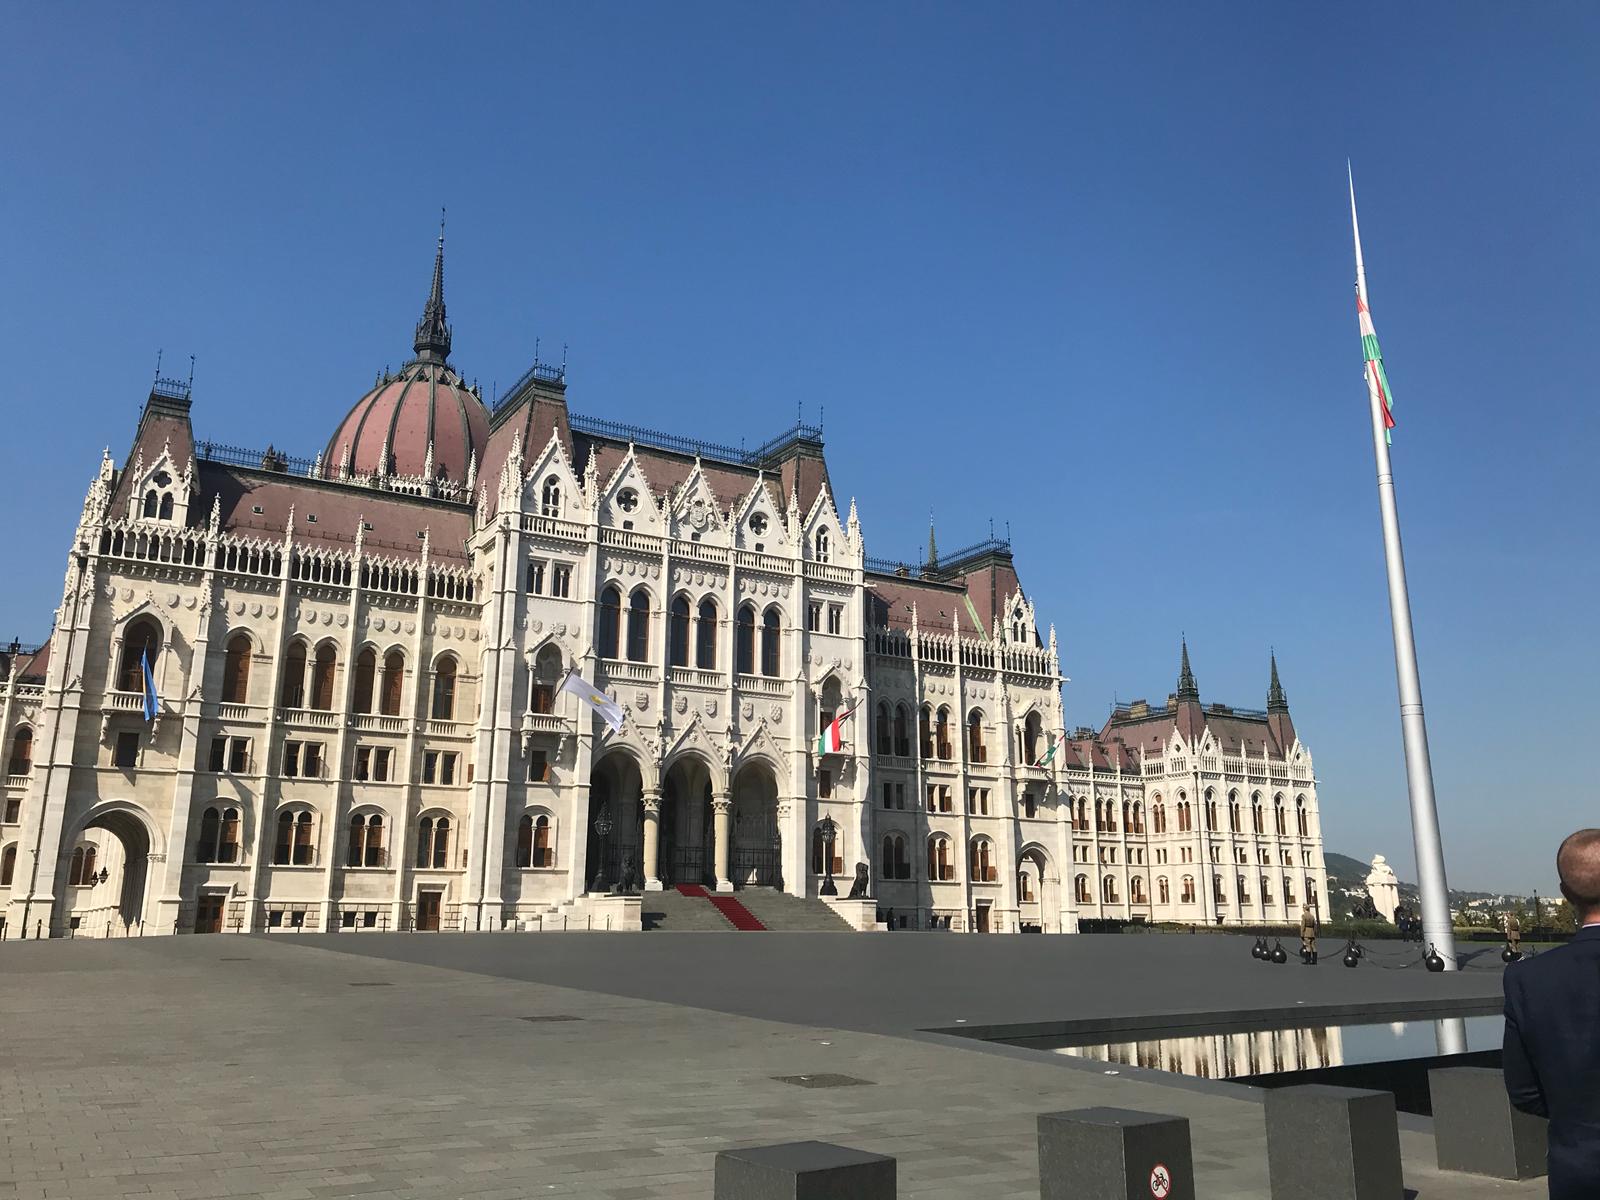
550, 498
639, 626
322, 670
610, 631
976, 751
394, 677
770, 633
822, 546
444, 689
678, 633
236, 670
292, 692
166, 506
925, 731
365, 681
1258, 816
1280, 821
885, 744
151, 503
705, 647
902, 739
744, 641
1302, 819
21, 752
8, 864
142, 638
941, 731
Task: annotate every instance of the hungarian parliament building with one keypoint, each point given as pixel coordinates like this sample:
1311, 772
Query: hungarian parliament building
353, 692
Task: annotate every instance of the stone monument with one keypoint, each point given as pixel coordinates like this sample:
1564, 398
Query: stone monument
1384, 888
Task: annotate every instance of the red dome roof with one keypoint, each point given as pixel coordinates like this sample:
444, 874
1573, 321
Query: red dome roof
426, 405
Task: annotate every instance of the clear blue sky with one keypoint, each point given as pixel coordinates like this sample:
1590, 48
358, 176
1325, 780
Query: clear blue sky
1085, 270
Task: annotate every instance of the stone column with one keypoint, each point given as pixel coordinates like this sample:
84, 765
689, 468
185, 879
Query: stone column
652, 840
722, 832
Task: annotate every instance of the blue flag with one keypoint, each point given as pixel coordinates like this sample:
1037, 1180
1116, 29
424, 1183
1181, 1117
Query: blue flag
150, 702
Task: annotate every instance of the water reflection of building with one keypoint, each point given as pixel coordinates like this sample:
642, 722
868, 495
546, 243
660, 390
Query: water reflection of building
1226, 1055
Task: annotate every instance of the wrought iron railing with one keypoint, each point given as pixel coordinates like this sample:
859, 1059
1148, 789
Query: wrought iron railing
270, 459
622, 431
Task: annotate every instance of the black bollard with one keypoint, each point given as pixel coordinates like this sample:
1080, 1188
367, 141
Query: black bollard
1433, 962
1279, 954
1259, 948
1352, 956
1509, 955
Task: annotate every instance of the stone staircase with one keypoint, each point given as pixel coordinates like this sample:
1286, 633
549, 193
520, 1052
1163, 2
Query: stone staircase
783, 912
672, 911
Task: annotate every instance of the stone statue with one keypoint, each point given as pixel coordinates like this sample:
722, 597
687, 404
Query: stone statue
1384, 888
629, 882
858, 889
1308, 936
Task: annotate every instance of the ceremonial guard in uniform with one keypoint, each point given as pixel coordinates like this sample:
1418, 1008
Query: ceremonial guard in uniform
1513, 931
1308, 935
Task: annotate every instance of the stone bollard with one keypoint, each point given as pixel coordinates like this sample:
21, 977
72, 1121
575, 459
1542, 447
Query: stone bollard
1333, 1143
803, 1171
1476, 1130
1114, 1154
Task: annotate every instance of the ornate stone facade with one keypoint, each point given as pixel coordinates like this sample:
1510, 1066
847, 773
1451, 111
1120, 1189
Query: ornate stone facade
357, 664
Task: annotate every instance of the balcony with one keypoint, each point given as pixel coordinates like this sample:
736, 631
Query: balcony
378, 723
694, 677
313, 718
116, 701
619, 669
762, 685
533, 722
454, 729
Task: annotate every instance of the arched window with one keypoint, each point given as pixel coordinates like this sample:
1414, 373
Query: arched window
678, 633
75, 871
142, 638
1280, 821
1163, 892
976, 751
770, 633
366, 841
1288, 889
610, 623
925, 731
433, 842
822, 546
939, 865
322, 678
210, 823
21, 752
166, 506
543, 849
1188, 889
236, 670
1136, 890
1080, 890
1158, 816
365, 680
151, 501
980, 860
8, 864
1301, 817
1108, 889
744, 641
1211, 811
1235, 820
639, 626
1032, 726
902, 739
394, 678
444, 689
941, 733
292, 691
1257, 816
1185, 817
885, 743
705, 649
550, 500
819, 853
1137, 823
294, 845
219, 836
896, 857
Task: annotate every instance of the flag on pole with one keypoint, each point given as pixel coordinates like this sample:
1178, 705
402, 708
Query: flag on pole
831, 739
610, 711
151, 704
1050, 753
1377, 377
972, 612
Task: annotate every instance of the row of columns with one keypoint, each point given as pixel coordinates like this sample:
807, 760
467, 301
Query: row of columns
721, 837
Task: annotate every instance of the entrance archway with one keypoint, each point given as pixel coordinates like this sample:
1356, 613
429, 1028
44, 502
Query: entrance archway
1038, 891
616, 792
109, 900
757, 842
685, 850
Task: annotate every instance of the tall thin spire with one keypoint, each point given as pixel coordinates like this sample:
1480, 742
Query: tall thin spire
1276, 701
933, 545
432, 343
1187, 688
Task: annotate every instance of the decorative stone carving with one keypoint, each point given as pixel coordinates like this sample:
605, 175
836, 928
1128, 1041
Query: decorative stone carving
344, 620
680, 705
641, 700
747, 710
775, 713
536, 626
272, 612
238, 608
411, 627
711, 706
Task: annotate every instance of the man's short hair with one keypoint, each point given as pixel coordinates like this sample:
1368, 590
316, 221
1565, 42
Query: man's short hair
1578, 865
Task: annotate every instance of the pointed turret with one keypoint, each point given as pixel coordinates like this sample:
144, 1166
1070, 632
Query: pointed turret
1187, 688
1189, 717
432, 342
1279, 722
933, 547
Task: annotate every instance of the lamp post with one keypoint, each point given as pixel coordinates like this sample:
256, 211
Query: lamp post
602, 829
777, 857
829, 831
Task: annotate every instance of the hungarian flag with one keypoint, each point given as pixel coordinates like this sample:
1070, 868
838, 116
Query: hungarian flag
1051, 753
831, 740
1374, 357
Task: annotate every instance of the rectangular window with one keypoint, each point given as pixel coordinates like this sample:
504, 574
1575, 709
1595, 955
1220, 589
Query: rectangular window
291, 760
888, 795
543, 701
430, 765
824, 784
536, 578
369, 919
347, 919
380, 764
945, 802
363, 770
311, 760
900, 796
561, 581
538, 767
238, 755
447, 769
13, 811
933, 792
127, 751
813, 617
219, 753
835, 618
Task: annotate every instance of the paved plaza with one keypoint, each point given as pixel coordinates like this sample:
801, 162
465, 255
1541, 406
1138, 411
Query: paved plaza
458, 1066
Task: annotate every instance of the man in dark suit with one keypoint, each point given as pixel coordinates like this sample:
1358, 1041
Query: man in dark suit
1552, 1046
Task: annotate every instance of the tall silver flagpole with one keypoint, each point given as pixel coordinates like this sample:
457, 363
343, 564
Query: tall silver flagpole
1436, 925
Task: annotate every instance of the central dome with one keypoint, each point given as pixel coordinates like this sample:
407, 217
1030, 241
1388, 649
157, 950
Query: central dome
424, 422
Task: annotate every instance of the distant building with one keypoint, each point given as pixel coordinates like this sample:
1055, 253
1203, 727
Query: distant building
357, 662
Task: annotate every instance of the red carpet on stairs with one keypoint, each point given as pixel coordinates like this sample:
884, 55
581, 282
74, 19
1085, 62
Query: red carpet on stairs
738, 915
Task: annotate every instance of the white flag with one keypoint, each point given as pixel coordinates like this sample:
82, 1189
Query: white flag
610, 711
